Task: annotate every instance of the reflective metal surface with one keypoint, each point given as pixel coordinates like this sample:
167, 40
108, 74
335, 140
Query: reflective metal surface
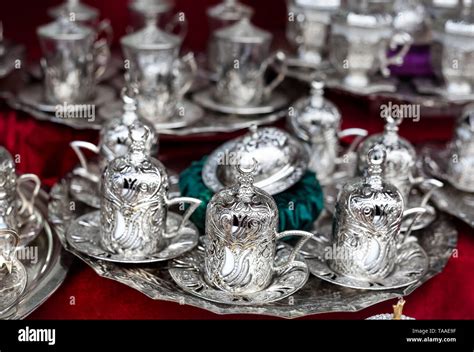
282, 160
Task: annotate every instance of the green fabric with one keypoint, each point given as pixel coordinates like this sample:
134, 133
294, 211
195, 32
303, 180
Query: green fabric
298, 206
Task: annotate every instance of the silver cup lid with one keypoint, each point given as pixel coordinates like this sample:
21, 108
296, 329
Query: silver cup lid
318, 4
64, 28
151, 38
371, 199
114, 136
314, 116
135, 177
229, 10
151, 7
366, 14
243, 32
81, 12
401, 155
243, 209
282, 160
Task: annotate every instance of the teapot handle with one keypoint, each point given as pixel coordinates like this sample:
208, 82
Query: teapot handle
277, 57
176, 22
305, 236
6, 253
28, 203
84, 169
399, 38
193, 205
360, 134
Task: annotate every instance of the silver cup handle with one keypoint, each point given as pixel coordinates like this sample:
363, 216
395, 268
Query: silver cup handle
27, 203
290, 263
84, 170
177, 22
193, 205
359, 133
6, 254
279, 58
186, 68
399, 38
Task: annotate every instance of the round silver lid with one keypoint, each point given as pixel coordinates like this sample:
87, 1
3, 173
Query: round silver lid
230, 10
243, 32
80, 11
151, 7
318, 4
401, 155
243, 205
151, 38
114, 136
366, 14
64, 29
136, 174
314, 116
282, 160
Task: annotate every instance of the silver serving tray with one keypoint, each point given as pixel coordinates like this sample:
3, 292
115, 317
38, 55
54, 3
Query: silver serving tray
439, 241
48, 273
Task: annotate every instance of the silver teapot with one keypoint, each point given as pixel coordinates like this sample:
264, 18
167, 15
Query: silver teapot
367, 221
74, 58
134, 201
242, 59
154, 63
360, 41
308, 27
241, 237
316, 121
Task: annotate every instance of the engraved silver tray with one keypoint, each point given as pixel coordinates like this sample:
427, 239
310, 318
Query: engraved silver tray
316, 297
48, 273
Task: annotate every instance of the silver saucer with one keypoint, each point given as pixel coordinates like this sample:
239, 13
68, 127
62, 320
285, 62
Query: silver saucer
190, 114
276, 101
188, 273
83, 235
210, 179
33, 96
412, 265
430, 87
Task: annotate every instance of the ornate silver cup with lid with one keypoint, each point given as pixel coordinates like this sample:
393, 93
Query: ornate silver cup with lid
308, 27
163, 77
242, 58
142, 9
461, 166
453, 51
360, 40
16, 205
316, 121
282, 160
73, 60
134, 201
241, 230
366, 231
222, 15
401, 156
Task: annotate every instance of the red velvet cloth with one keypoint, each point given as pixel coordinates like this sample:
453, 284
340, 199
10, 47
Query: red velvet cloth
43, 149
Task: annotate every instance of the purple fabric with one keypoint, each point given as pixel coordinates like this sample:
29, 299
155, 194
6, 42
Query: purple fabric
417, 62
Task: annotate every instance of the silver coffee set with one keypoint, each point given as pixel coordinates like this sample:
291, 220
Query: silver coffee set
355, 43
381, 229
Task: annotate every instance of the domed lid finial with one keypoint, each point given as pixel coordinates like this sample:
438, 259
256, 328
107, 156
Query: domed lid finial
376, 159
138, 134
